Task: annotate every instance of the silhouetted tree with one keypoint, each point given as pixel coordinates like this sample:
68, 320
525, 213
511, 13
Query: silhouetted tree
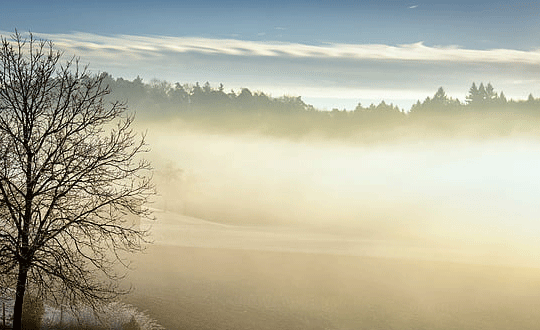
245, 94
179, 95
440, 102
196, 93
474, 96
502, 98
69, 171
207, 88
532, 105
440, 99
491, 96
244, 101
482, 94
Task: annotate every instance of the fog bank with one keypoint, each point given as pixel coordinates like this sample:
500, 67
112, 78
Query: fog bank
473, 201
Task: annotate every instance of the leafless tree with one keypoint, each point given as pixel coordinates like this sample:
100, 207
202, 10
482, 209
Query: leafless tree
70, 169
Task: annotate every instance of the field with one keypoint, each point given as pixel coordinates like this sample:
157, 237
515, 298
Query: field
231, 284
315, 234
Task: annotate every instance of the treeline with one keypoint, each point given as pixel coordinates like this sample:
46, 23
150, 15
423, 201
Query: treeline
164, 98
168, 97
481, 99
483, 112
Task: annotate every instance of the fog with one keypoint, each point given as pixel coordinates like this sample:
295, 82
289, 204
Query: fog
476, 196
265, 224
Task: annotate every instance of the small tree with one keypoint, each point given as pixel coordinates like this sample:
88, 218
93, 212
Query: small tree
474, 96
69, 171
491, 96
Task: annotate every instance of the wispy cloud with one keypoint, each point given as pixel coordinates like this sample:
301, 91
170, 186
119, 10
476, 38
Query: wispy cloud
412, 7
157, 45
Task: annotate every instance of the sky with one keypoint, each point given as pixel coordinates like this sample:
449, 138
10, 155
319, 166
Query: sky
333, 54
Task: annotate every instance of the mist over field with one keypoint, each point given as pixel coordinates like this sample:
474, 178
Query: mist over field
325, 165
436, 228
475, 197
274, 214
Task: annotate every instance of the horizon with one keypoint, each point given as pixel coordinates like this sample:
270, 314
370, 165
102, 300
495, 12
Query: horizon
333, 55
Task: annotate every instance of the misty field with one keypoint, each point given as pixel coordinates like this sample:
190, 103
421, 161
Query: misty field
201, 288
206, 275
291, 165
257, 232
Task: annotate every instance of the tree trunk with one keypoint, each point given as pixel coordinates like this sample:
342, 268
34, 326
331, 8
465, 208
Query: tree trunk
19, 297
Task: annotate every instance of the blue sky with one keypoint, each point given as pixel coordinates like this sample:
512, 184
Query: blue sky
331, 53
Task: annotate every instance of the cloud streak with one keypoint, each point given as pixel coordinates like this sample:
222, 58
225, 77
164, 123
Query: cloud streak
137, 46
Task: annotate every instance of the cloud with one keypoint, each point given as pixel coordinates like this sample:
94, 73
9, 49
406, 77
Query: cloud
135, 46
412, 7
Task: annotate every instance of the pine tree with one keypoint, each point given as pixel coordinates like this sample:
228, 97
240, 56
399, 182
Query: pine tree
473, 95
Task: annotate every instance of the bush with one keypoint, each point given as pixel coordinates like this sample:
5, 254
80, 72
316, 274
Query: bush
32, 313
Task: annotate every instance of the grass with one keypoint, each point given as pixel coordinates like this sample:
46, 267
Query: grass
114, 316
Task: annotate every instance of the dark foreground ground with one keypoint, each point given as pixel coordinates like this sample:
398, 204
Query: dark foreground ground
199, 288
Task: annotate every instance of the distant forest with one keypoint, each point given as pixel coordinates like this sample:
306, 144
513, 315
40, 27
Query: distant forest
483, 111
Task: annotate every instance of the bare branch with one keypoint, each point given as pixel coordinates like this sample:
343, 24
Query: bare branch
70, 171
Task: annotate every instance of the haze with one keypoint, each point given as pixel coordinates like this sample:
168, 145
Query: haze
474, 198
321, 232
417, 208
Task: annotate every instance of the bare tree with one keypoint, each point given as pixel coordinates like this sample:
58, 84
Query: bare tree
70, 168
